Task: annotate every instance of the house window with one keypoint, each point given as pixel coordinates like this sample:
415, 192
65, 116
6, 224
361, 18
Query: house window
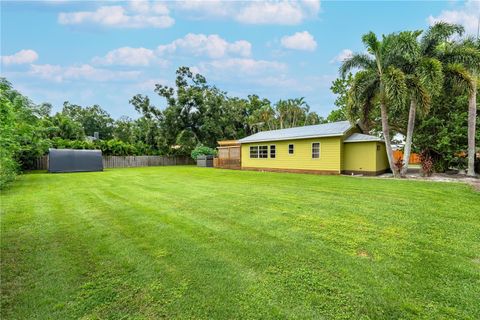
315, 150
273, 151
258, 152
378, 147
291, 149
254, 152
263, 151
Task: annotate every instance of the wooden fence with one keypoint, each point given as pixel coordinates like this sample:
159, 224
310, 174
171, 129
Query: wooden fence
229, 154
414, 157
41, 163
227, 163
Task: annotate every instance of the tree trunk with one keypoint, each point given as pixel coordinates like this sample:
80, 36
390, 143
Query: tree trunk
409, 138
386, 136
472, 114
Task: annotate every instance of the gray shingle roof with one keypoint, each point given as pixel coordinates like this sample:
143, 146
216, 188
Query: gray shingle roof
360, 137
320, 130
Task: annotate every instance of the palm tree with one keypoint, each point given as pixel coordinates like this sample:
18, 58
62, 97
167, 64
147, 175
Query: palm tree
463, 64
281, 109
423, 73
299, 109
471, 55
379, 82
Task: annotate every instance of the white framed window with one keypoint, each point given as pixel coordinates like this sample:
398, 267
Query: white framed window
273, 151
263, 152
291, 148
259, 152
315, 150
254, 152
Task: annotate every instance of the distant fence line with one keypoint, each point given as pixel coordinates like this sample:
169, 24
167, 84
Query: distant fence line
41, 163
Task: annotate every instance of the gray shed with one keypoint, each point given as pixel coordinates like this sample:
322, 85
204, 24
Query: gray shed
69, 160
205, 161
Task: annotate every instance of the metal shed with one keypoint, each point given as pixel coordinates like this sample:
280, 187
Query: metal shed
69, 160
205, 161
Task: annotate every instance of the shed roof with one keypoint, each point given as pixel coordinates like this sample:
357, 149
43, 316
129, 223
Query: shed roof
226, 143
332, 129
360, 137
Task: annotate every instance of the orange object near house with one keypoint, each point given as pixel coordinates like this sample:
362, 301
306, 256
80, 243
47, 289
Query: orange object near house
414, 157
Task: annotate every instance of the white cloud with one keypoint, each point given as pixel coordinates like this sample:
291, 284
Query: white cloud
128, 56
203, 9
20, 57
241, 66
144, 7
212, 46
83, 72
299, 41
467, 16
138, 14
285, 12
342, 56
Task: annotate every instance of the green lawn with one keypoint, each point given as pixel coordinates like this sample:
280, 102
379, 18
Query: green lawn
186, 242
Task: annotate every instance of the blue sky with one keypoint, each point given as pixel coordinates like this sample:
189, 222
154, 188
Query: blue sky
103, 53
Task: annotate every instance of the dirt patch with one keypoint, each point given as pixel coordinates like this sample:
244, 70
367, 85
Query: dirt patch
476, 187
363, 254
440, 177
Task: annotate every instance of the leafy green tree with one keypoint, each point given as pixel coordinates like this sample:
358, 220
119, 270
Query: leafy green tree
263, 118
147, 132
340, 87
8, 142
93, 119
64, 127
28, 133
443, 134
123, 129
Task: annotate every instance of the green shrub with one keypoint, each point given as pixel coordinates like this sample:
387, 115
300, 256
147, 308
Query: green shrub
8, 170
202, 150
116, 147
9, 145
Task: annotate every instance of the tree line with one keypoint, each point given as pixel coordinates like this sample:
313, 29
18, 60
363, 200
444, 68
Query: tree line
196, 114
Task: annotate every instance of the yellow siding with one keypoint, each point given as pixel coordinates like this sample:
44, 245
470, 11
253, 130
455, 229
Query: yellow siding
360, 156
382, 160
352, 130
301, 159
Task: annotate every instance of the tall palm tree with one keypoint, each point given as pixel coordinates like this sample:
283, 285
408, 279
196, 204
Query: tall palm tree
299, 109
463, 61
379, 82
281, 109
423, 73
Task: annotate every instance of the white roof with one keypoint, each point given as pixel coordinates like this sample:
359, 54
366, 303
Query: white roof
332, 129
360, 137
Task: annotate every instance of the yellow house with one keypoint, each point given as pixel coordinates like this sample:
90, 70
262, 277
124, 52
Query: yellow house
331, 148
